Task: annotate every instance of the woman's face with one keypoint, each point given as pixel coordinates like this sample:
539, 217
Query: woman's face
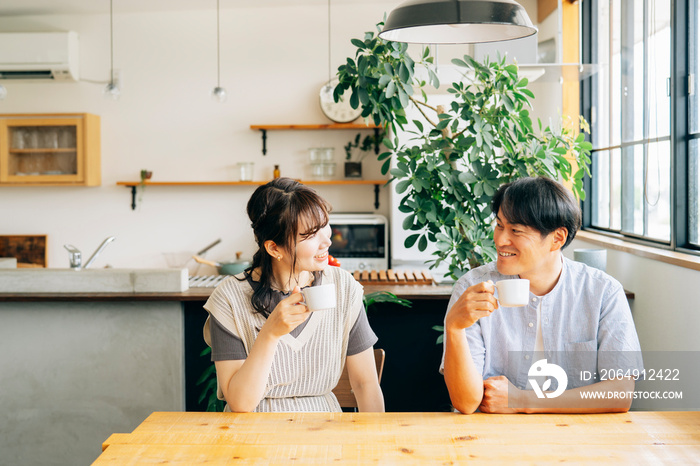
312, 251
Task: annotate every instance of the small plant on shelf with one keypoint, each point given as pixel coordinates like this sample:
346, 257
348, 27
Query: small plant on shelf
360, 148
144, 175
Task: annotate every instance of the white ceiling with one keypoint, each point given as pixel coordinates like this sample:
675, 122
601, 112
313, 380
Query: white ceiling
48, 7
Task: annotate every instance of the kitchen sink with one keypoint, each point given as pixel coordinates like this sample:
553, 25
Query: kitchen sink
110, 280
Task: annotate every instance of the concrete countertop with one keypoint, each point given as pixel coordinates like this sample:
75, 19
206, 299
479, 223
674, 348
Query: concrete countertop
411, 292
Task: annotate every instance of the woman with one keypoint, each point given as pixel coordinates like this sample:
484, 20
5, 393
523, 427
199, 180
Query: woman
271, 353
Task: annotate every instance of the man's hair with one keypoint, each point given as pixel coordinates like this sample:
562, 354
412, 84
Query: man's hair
539, 203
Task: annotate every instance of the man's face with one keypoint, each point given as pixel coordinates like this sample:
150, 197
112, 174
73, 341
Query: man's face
521, 249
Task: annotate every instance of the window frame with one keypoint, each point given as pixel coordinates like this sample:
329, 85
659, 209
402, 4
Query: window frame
680, 136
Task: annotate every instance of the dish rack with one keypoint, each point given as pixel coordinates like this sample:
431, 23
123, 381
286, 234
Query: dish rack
205, 281
393, 277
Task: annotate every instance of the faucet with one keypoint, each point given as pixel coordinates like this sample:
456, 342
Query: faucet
75, 256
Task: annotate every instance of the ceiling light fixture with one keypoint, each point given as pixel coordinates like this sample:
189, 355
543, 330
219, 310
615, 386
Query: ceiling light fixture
219, 93
112, 90
457, 22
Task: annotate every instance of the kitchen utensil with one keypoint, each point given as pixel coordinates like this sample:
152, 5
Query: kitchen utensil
180, 260
199, 253
226, 268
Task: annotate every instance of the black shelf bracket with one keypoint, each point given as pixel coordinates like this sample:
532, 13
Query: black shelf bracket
133, 197
376, 196
264, 141
376, 141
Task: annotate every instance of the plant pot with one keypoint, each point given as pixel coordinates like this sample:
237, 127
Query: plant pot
353, 169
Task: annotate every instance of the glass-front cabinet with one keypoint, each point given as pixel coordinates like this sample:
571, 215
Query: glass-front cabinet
50, 150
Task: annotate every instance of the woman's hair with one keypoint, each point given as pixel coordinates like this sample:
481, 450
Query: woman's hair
540, 203
278, 212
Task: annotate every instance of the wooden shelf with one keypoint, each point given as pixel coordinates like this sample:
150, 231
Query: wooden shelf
321, 126
134, 184
356, 126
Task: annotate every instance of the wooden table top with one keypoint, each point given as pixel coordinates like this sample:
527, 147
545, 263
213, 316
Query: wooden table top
407, 438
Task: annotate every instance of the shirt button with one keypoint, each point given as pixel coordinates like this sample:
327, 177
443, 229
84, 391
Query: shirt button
527, 356
546, 321
534, 300
530, 324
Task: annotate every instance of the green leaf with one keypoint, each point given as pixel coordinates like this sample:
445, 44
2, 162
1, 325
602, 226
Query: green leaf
402, 186
403, 97
459, 62
390, 89
385, 167
403, 73
411, 240
358, 43
354, 100
422, 243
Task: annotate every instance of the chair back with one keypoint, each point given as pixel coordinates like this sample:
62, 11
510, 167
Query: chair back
343, 391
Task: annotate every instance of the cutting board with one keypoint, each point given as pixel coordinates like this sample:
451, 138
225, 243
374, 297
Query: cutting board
29, 250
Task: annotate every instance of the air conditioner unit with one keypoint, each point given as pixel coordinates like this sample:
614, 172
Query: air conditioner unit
39, 56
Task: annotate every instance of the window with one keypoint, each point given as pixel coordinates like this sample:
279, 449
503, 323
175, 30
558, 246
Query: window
645, 131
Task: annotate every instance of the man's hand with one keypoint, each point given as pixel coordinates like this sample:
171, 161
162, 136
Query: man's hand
476, 302
495, 398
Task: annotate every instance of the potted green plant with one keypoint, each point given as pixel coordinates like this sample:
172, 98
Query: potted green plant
144, 175
357, 149
451, 167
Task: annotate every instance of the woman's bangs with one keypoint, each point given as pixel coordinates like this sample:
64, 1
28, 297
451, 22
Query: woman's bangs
312, 220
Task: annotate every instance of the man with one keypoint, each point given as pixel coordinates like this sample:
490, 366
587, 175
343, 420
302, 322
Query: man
577, 317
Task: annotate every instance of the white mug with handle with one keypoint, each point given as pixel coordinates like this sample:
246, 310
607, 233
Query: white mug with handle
319, 298
514, 292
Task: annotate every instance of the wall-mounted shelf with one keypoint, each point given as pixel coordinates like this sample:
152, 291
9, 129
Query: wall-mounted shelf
357, 126
135, 184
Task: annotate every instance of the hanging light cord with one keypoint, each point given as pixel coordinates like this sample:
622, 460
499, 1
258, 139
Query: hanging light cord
111, 43
329, 42
218, 54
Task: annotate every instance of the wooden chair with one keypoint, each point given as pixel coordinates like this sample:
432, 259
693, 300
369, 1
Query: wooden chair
343, 391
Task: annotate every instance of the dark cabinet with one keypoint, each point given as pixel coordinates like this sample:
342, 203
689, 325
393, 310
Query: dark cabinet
411, 381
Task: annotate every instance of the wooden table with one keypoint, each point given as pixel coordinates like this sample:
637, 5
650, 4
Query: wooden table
405, 438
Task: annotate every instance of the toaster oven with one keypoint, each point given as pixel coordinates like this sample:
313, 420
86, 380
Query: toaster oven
360, 241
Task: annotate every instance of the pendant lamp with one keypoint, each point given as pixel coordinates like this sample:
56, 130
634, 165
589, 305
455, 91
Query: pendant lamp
457, 22
218, 94
111, 90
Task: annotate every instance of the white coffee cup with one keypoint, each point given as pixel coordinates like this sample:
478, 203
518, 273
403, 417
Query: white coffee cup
319, 298
513, 293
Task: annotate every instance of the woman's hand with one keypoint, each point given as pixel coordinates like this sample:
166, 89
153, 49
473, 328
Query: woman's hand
476, 302
287, 315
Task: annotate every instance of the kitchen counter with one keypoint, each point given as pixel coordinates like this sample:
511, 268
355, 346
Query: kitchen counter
113, 358
411, 292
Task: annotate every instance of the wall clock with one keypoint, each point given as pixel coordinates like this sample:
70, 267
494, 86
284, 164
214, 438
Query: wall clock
341, 111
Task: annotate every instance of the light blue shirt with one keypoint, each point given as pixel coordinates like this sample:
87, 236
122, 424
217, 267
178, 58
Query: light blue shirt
586, 326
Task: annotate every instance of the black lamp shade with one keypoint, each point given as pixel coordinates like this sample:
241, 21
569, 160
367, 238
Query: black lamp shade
457, 22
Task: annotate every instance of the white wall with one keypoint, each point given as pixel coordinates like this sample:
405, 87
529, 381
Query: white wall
272, 67
666, 305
